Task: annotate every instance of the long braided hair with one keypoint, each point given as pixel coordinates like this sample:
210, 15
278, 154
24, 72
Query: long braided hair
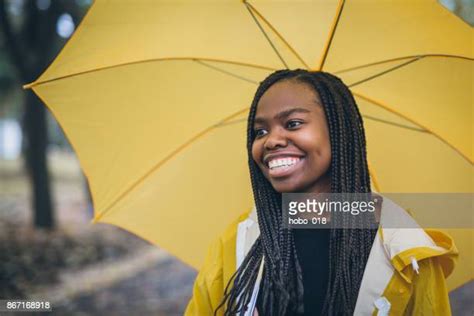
282, 291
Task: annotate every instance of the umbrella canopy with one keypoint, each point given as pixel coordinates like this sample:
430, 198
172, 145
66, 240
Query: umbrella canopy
153, 96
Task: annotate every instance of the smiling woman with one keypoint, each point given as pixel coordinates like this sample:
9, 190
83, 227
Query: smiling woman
305, 134
291, 145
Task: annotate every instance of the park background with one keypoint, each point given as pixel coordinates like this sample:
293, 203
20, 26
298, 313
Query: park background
49, 250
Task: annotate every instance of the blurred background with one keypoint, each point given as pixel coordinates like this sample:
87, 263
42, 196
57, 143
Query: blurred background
49, 250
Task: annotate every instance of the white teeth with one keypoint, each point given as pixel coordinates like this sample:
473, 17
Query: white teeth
282, 162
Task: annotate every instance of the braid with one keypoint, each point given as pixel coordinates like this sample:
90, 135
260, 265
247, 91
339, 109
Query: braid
282, 281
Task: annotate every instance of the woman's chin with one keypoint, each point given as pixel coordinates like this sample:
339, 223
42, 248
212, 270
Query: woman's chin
286, 188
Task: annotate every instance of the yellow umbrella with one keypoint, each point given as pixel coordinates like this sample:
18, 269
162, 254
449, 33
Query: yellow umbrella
153, 97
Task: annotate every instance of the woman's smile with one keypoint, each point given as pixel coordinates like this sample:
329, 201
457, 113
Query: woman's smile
283, 165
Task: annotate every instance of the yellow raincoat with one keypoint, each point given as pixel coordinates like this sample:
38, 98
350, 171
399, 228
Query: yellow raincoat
405, 272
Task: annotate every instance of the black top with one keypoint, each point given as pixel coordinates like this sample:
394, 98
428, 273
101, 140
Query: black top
312, 248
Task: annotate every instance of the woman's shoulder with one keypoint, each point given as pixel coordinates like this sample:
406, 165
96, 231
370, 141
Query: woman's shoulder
403, 264
220, 261
216, 271
230, 233
406, 242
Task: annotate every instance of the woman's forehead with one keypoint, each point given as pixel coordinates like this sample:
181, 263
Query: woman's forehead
284, 95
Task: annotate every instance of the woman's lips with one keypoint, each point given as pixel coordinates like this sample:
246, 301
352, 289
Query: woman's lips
283, 171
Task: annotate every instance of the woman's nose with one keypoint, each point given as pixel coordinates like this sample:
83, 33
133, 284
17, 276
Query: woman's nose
275, 139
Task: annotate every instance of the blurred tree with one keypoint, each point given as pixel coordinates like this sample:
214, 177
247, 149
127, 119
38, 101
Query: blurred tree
29, 31
462, 8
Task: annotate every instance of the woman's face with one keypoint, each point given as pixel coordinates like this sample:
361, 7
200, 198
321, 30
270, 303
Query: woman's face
292, 146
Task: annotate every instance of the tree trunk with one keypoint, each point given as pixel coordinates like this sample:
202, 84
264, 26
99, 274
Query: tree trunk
36, 133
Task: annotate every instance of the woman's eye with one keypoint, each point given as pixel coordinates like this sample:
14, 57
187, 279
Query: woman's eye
293, 124
260, 132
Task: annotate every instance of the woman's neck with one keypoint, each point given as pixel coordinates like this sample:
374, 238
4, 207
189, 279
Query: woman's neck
323, 185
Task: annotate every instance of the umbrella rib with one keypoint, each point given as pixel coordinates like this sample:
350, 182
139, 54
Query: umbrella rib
163, 161
384, 72
36, 83
226, 123
225, 71
337, 17
373, 118
401, 58
277, 34
386, 107
266, 35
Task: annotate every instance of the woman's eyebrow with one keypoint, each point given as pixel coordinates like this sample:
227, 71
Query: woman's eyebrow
282, 115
